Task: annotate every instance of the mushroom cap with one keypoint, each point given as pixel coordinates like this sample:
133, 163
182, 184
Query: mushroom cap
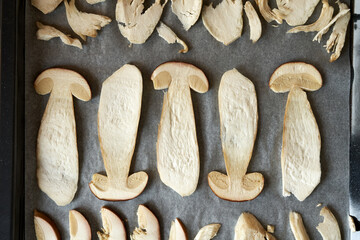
166, 72
62, 79
301, 74
45, 228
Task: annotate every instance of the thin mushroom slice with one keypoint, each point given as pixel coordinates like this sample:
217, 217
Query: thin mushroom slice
84, 24
208, 232
56, 153
249, 228
296, 12
177, 230
268, 14
79, 226
46, 6
329, 228
297, 226
324, 18
254, 22
46, 33
134, 24
148, 225
113, 227
94, 1
224, 22
170, 37
238, 125
187, 11
118, 119
45, 228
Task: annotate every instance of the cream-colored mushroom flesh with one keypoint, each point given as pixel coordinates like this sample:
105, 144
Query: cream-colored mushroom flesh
148, 225
352, 225
78, 226
254, 22
296, 12
187, 11
329, 228
45, 228
208, 232
94, 1
249, 228
177, 231
224, 22
84, 24
113, 228
170, 37
118, 120
46, 6
135, 24
238, 127
268, 14
297, 226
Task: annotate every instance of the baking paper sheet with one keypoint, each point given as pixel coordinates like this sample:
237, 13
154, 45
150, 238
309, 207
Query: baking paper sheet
109, 51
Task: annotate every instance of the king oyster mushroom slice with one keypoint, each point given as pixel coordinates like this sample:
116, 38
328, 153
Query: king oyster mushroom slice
170, 37
46, 6
224, 22
268, 14
177, 230
238, 125
208, 232
79, 226
329, 228
45, 228
148, 225
113, 228
254, 22
187, 11
84, 24
324, 18
249, 228
297, 226
134, 24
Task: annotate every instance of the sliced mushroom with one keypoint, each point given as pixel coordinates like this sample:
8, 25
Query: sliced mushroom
84, 24
94, 1
329, 228
177, 148
254, 22
170, 37
118, 120
46, 6
187, 11
297, 226
238, 125
148, 225
249, 228
296, 12
46, 33
352, 225
324, 18
79, 226
268, 14
270, 228
224, 22
113, 227
45, 228
177, 230
134, 24
208, 232
57, 155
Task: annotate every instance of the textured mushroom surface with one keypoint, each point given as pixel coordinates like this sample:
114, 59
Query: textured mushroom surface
249, 228
296, 12
254, 22
45, 228
208, 232
187, 11
170, 37
329, 228
268, 14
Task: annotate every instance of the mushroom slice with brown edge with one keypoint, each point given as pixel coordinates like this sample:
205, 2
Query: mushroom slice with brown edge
134, 24
148, 225
249, 228
329, 228
208, 232
297, 226
224, 22
79, 226
238, 125
118, 119
57, 155
113, 227
46, 6
45, 228
187, 11
84, 24
268, 14
254, 22
177, 230
170, 37
177, 148
46, 33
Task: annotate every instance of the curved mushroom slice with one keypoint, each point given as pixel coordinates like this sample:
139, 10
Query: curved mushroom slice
254, 22
208, 232
57, 155
268, 14
148, 225
84, 24
45, 228
238, 122
296, 12
324, 18
94, 1
249, 228
187, 11
113, 227
118, 119
177, 148
224, 22
329, 228
46, 33
135, 25
177, 231
297, 226
79, 226
170, 37
46, 6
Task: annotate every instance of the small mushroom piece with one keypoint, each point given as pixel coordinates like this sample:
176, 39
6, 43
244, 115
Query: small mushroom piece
84, 24
113, 227
57, 155
238, 125
177, 230
45, 228
254, 22
187, 11
118, 119
268, 14
148, 225
79, 226
329, 228
297, 226
170, 37
46, 6
249, 228
135, 24
177, 148
324, 18
224, 22
94, 1
46, 33
270, 228
208, 232
352, 225
296, 12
